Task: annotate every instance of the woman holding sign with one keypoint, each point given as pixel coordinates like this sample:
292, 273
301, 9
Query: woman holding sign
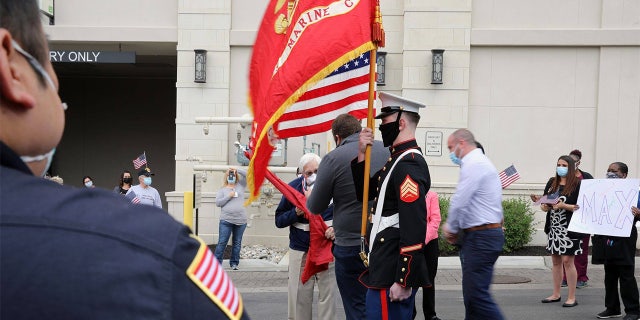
618, 256
563, 245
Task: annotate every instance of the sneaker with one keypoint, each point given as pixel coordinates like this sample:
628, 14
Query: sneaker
631, 317
581, 284
564, 283
606, 314
234, 267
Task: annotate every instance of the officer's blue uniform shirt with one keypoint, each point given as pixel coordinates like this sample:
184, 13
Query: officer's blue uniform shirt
68, 253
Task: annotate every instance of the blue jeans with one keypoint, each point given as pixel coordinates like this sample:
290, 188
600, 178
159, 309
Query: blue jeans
225, 231
480, 251
349, 267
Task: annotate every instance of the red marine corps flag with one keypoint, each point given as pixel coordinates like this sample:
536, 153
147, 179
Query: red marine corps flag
300, 43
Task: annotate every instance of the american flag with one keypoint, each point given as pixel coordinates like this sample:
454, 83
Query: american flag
140, 161
131, 196
346, 90
508, 176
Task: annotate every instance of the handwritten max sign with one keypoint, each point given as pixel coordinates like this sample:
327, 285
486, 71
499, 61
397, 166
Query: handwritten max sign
605, 207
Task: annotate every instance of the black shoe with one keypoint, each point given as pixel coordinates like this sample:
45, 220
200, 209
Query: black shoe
547, 300
606, 314
435, 318
569, 305
631, 317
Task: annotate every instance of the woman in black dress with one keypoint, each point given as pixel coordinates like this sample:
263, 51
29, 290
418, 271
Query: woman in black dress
563, 245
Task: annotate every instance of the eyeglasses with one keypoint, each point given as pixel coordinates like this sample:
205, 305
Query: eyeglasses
309, 173
38, 68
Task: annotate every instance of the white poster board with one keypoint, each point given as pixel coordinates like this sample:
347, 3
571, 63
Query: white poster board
605, 207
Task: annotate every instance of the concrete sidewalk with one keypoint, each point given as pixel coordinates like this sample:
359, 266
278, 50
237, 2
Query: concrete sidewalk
512, 272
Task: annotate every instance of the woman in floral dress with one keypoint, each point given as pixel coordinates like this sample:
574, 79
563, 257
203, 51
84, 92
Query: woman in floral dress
563, 245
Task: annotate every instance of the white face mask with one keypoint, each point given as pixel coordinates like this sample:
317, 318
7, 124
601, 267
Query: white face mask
48, 156
310, 180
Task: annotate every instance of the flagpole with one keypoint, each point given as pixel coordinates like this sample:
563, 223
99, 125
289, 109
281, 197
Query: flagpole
367, 156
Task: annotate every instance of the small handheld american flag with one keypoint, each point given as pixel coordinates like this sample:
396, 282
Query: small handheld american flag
508, 176
140, 161
131, 196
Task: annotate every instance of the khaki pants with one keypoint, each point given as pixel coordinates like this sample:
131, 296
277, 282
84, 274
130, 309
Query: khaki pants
301, 295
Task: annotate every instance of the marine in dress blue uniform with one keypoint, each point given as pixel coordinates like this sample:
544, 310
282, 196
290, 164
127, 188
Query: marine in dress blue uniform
396, 255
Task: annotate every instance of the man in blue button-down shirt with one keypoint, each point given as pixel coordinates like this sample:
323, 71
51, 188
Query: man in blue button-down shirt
476, 208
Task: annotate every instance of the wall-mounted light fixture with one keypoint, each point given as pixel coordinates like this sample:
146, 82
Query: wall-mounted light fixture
200, 75
437, 60
381, 60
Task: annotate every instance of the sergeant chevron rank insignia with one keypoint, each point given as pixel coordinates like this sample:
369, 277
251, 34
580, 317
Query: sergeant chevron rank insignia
409, 190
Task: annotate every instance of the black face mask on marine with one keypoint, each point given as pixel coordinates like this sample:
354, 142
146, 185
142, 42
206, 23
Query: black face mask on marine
390, 131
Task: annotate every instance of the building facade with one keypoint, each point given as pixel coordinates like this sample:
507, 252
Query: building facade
532, 79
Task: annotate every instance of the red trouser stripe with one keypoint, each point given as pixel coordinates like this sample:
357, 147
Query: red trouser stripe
383, 305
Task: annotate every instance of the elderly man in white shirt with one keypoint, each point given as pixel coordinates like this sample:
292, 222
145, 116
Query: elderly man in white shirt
476, 208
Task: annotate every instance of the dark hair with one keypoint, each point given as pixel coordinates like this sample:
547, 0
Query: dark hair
572, 181
22, 19
623, 167
576, 153
479, 146
122, 177
345, 125
412, 117
84, 176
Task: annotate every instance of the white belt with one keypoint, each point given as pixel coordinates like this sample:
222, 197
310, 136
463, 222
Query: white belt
301, 226
389, 222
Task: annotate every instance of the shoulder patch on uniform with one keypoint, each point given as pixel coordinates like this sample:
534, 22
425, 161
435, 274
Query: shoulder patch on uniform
409, 191
208, 275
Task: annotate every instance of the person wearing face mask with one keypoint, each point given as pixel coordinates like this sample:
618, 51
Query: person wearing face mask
124, 184
233, 217
334, 185
618, 256
87, 181
147, 194
57, 261
582, 260
475, 209
300, 295
397, 263
563, 245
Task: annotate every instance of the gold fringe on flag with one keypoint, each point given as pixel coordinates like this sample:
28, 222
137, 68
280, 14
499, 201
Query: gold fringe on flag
377, 34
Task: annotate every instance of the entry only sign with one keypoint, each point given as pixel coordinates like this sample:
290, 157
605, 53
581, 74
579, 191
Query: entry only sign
605, 207
88, 56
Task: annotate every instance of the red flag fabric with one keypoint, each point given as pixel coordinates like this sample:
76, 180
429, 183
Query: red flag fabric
298, 45
319, 254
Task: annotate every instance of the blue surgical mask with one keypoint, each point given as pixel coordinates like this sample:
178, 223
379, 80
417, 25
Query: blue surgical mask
457, 161
48, 156
562, 171
88, 184
147, 181
612, 175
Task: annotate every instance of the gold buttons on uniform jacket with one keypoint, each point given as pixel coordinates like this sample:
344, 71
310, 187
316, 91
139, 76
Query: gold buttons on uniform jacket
403, 269
378, 178
401, 280
381, 239
384, 168
390, 159
405, 259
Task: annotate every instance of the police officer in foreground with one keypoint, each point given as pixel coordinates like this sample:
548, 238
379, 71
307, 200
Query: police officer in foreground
68, 253
397, 266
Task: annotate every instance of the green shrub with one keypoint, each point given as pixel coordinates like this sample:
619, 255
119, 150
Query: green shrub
518, 224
